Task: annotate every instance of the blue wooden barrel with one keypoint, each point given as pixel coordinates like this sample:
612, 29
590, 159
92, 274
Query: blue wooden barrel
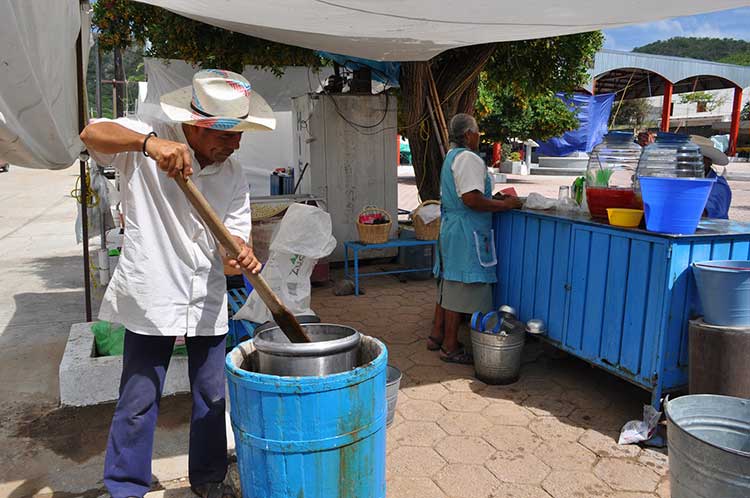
311, 437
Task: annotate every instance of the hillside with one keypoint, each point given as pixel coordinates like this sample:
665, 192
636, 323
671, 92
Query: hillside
728, 50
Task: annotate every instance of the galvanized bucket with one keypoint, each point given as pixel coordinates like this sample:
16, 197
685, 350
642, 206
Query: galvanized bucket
497, 357
393, 380
709, 446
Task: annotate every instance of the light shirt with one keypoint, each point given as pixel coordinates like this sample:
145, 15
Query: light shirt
170, 279
469, 172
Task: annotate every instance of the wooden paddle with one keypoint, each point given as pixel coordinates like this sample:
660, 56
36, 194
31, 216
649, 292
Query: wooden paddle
281, 315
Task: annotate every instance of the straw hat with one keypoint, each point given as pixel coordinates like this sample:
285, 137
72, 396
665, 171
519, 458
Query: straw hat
717, 157
220, 100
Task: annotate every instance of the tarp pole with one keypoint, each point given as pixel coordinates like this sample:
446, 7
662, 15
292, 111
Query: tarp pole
83, 173
666, 106
734, 130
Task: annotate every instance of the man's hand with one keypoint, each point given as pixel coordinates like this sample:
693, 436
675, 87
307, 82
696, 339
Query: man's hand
246, 260
172, 157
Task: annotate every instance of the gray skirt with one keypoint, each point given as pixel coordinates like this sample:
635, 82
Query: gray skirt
464, 298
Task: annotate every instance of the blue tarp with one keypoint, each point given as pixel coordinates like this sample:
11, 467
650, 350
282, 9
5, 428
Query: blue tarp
384, 72
592, 112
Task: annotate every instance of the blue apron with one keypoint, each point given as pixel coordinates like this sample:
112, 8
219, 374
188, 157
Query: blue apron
466, 248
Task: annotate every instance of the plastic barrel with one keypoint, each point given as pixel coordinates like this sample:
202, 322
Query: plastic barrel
317, 437
709, 446
393, 381
674, 205
724, 290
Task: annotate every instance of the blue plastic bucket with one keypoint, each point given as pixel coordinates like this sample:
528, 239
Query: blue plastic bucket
674, 205
724, 290
317, 437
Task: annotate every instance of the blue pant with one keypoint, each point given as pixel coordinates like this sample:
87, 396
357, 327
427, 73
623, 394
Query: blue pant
127, 465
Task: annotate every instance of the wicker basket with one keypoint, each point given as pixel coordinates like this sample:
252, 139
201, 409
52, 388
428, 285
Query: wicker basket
424, 231
373, 234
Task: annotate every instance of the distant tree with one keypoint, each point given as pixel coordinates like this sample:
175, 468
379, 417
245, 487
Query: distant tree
745, 112
132, 60
738, 58
711, 49
631, 113
706, 101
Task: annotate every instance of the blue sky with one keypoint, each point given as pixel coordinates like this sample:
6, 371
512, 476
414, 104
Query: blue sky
733, 23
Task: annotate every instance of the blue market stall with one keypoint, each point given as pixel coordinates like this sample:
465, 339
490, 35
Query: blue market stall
618, 298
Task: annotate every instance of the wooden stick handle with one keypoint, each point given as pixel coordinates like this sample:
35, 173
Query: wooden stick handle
280, 312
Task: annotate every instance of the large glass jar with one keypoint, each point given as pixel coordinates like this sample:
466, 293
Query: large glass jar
610, 174
671, 156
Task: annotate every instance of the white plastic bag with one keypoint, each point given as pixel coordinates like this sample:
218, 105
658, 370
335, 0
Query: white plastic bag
304, 236
428, 213
538, 201
636, 431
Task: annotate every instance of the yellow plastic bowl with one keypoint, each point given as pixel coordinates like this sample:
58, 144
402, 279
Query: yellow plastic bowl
621, 217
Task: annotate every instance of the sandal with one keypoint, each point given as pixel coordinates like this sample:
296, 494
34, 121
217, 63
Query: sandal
213, 490
433, 344
459, 356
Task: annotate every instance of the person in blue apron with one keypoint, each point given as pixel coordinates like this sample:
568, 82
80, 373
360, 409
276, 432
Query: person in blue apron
714, 162
465, 266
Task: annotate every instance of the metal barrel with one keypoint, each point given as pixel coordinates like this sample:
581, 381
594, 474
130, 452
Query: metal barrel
709, 446
497, 357
317, 437
393, 381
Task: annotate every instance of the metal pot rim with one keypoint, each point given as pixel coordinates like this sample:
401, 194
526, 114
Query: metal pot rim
322, 348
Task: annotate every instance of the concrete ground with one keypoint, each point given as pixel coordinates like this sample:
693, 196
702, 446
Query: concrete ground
551, 434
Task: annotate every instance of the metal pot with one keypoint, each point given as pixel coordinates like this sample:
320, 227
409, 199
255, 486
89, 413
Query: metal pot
333, 350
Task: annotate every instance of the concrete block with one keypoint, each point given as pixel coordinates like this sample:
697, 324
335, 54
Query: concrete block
86, 379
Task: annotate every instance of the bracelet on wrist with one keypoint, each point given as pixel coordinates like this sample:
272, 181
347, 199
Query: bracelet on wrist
145, 141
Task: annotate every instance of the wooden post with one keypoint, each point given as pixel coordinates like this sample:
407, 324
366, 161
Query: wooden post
734, 130
666, 105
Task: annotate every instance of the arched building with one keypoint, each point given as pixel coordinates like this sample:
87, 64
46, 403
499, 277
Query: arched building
637, 75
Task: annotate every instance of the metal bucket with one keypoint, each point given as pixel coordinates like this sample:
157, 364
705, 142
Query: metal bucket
392, 383
333, 350
497, 357
317, 437
709, 446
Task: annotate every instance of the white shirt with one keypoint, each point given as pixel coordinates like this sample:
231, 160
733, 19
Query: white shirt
469, 172
170, 279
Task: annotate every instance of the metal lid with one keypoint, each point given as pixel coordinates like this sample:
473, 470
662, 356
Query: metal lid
536, 326
507, 309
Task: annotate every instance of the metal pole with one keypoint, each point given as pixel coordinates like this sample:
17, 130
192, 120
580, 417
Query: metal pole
98, 63
119, 77
83, 173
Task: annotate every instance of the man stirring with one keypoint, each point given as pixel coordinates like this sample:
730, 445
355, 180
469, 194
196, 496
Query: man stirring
169, 281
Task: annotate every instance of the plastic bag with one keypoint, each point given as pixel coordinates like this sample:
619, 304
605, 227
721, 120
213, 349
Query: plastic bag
304, 236
428, 213
108, 338
636, 431
538, 201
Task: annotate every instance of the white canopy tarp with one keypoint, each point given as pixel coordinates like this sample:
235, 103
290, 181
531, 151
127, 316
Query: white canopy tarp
411, 30
38, 91
38, 83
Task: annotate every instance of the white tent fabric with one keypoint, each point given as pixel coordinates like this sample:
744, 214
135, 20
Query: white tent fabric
260, 153
38, 87
400, 30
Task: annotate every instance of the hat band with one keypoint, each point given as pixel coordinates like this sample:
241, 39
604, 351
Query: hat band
205, 114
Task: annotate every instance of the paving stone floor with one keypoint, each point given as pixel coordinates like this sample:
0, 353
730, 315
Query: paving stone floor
551, 434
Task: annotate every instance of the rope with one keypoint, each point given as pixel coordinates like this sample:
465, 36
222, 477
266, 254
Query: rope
93, 196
